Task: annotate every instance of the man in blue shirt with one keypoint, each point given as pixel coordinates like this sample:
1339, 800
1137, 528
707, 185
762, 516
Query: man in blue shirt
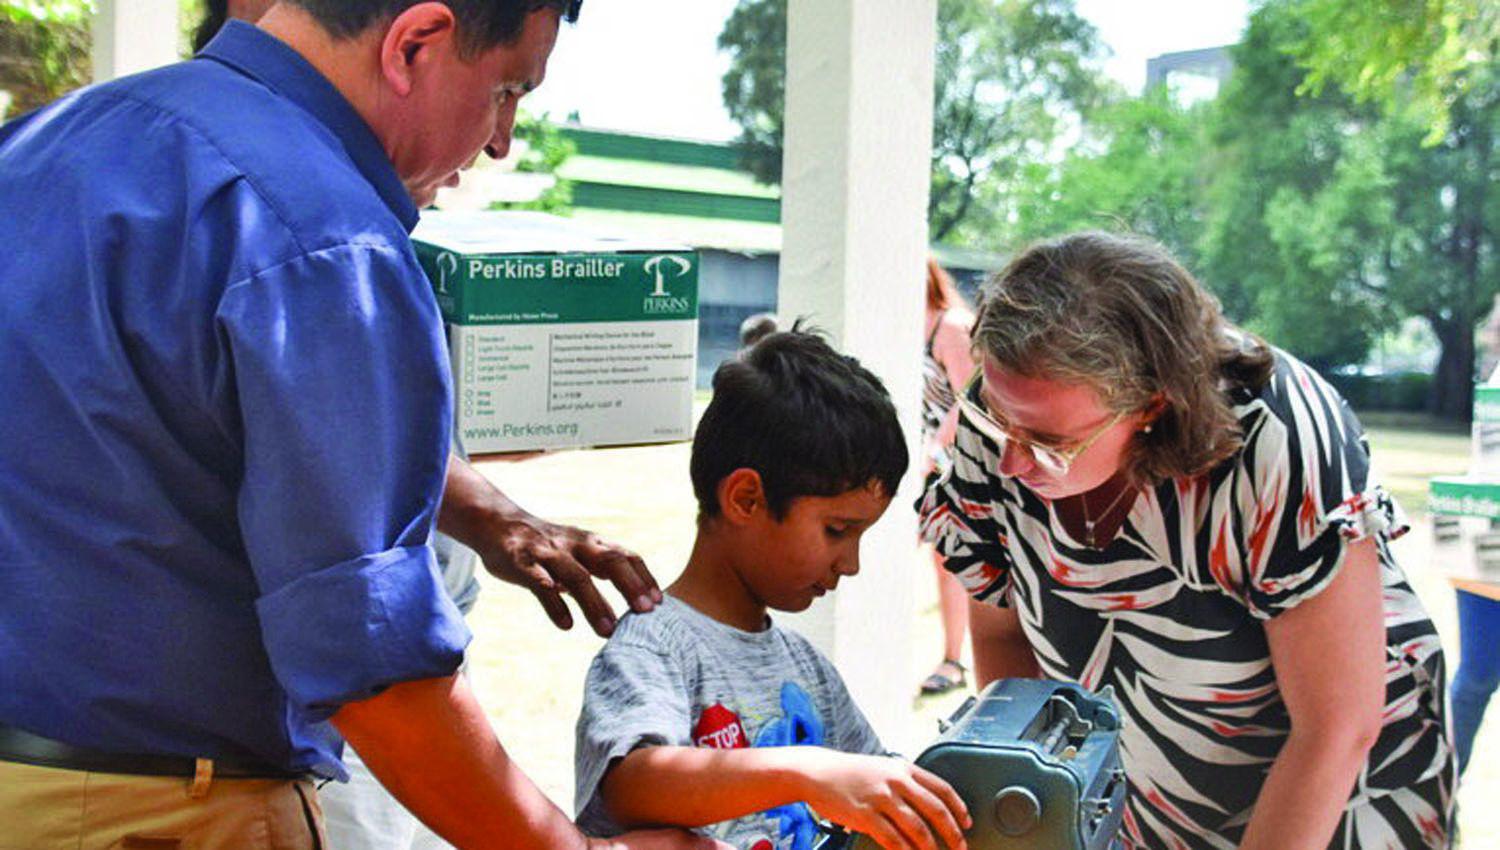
228, 441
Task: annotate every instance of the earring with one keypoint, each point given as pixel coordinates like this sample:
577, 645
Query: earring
1146, 429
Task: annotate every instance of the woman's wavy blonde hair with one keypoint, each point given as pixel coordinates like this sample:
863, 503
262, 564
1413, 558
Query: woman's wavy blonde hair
1119, 315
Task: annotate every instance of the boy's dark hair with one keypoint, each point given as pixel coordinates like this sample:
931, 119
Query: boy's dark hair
482, 24
811, 421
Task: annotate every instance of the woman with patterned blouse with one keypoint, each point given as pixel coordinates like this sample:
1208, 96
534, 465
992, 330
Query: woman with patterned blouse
1145, 497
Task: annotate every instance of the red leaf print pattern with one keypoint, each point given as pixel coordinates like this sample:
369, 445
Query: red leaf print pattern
1307, 516
976, 510
1120, 601
1161, 804
1218, 557
1244, 696
1260, 533
988, 575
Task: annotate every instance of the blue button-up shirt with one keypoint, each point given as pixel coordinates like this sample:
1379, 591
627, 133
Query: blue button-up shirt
225, 426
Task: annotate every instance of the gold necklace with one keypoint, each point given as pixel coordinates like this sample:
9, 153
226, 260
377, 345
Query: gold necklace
1089, 521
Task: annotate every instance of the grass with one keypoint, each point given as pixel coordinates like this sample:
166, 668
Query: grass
1409, 449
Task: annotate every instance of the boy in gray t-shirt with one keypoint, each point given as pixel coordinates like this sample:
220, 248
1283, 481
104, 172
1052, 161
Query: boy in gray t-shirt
705, 714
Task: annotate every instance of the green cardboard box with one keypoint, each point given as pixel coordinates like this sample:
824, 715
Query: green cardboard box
562, 336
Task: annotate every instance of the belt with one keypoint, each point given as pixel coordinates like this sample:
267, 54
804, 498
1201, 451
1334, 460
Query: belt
18, 745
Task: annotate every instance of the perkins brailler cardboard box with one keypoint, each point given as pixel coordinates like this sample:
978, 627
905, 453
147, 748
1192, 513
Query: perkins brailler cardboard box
560, 336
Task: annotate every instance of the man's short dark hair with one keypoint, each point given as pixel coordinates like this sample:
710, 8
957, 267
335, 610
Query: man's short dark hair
811, 421
215, 13
482, 24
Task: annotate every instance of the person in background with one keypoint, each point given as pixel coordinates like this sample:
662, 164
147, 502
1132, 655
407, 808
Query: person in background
1145, 497
1478, 673
218, 509
757, 327
947, 363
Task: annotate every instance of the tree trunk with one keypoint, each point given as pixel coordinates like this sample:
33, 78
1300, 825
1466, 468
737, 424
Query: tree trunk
1452, 394
1453, 384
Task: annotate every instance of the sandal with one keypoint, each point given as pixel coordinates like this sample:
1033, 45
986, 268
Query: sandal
941, 683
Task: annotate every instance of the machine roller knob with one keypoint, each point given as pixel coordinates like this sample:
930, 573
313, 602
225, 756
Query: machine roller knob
1017, 811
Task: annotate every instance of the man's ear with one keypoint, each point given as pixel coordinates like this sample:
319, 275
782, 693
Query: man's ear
741, 496
409, 38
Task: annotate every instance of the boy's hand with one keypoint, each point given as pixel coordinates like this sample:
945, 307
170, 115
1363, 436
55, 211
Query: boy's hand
899, 805
658, 839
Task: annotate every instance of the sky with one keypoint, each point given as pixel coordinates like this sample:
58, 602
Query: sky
653, 66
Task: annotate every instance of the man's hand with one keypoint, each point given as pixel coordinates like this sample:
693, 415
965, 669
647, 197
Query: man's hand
899, 805
549, 560
545, 558
658, 839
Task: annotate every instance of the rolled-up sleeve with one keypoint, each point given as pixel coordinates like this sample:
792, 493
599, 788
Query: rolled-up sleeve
340, 376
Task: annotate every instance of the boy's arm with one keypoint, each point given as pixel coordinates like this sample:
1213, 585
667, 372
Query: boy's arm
898, 804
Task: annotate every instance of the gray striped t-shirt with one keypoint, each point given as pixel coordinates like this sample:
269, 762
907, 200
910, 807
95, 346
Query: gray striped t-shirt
678, 678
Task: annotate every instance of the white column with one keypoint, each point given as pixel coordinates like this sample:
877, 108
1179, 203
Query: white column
133, 35
854, 218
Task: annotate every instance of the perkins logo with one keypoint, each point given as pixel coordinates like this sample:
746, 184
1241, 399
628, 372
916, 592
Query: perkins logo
446, 264
663, 268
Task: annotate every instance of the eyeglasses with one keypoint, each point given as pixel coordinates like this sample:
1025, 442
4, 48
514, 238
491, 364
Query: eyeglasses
1053, 460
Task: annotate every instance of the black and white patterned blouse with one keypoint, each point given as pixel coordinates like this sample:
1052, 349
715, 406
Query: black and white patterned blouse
1171, 613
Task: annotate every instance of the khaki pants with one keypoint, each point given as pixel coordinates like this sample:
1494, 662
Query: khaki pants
44, 808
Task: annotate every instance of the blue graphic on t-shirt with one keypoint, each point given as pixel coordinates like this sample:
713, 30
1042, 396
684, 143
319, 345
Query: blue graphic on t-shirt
799, 725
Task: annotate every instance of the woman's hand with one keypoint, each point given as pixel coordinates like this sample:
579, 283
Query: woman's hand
899, 805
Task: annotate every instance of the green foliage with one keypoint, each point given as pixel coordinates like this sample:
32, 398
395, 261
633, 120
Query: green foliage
1137, 169
1330, 220
62, 12
45, 49
755, 84
546, 150
1013, 77
1410, 56
1398, 391
1321, 217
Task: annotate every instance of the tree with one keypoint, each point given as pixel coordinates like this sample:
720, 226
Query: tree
1013, 78
755, 84
44, 49
546, 150
1138, 168
1323, 205
1434, 65
1414, 55
1274, 153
